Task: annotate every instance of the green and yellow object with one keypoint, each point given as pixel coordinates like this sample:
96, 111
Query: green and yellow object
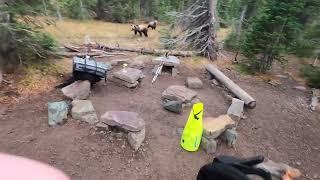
192, 132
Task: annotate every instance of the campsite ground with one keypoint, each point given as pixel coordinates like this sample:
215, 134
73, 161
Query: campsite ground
281, 127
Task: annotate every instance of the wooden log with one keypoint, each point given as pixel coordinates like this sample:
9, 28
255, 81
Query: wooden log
233, 87
147, 51
72, 48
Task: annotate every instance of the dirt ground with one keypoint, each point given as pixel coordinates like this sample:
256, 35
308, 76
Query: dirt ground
281, 128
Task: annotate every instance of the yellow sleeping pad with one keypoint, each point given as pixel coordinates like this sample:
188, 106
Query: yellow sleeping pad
192, 132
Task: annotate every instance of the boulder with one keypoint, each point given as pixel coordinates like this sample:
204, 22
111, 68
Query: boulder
77, 90
179, 93
214, 127
83, 110
230, 135
194, 83
135, 139
173, 106
130, 75
209, 145
168, 61
126, 120
57, 112
236, 107
116, 62
123, 83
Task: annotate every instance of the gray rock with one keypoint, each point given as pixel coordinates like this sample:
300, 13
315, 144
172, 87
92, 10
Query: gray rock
314, 103
214, 127
209, 145
316, 93
77, 90
123, 83
179, 131
57, 112
179, 93
174, 72
130, 75
116, 62
123, 119
194, 83
139, 61
301, 88
102, 126
173, 106
135, 139
230, 135
83, 110
215, 82
168, 61
236, 107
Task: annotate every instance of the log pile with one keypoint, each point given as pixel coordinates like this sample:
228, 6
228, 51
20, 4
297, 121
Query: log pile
99, 51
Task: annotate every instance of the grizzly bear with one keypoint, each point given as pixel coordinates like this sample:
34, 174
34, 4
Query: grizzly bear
139, 29
153, 24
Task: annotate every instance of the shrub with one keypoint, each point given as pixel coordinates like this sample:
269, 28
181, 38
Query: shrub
312, 74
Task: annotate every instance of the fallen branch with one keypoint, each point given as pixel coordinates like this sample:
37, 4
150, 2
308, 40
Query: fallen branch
72, 54
233, 87
147, 51
72, 48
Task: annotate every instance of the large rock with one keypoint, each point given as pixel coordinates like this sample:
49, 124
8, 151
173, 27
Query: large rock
83, 110
209, 145
168, 61
123, 83
124, 119
130, 75
194, 83
179, 93
214, 127
236, 108
136, 139
77, 90
57, 112
173, 106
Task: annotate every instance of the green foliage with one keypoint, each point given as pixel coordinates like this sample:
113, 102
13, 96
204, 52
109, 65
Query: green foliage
78, 9
312, 74
271, 32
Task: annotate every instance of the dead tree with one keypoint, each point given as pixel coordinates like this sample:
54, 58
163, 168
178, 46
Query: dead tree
197, 25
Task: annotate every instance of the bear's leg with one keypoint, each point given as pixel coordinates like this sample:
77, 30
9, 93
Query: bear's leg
140, 33
145, 33
135, 32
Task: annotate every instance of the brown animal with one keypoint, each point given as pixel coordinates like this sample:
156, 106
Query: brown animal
153, 24
139, 29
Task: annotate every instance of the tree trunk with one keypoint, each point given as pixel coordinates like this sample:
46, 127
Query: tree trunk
239, 27
233, 87
45, 7
58, 10
212, 45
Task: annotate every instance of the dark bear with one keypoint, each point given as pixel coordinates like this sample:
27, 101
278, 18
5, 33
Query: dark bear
139, 29
153, 24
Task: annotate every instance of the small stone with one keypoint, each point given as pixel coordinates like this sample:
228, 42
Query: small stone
179, 93
173, 106
174, 72
194, 83
209, 145
116, 62
214, 127
118, 135
102, 126
298, 163
57, 112
282, 76
77, 90
314, 103
135, 139
301, 88
230, 135
124, 119
180, 131
316, 93
215, 82
236, 107
83, 110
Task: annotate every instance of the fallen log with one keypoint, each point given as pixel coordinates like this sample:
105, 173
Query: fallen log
72, 54
147, 51
72, 48
233, 87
